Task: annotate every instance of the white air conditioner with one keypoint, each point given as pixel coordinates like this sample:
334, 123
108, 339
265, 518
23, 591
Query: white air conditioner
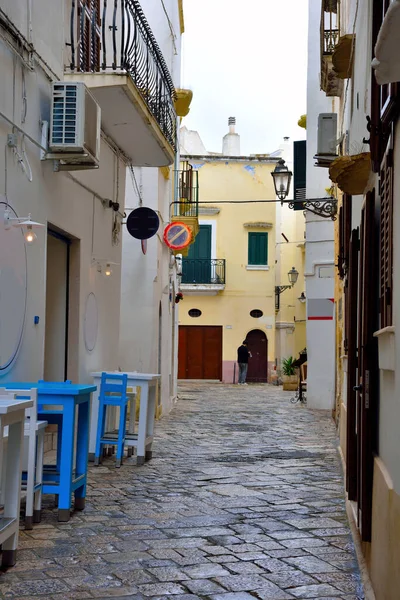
327, 139
327, 133
74, 126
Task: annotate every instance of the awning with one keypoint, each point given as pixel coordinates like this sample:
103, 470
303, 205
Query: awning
387, 56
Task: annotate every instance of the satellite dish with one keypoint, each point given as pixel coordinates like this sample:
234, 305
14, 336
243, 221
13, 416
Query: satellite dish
143, 223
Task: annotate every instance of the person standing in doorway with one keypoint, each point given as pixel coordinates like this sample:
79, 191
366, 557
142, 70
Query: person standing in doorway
243, 354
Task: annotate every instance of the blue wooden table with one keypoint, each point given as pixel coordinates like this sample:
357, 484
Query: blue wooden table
57, 404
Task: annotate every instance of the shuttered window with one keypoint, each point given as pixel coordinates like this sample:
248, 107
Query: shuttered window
384, 98
386, 239
89, 22
258, 248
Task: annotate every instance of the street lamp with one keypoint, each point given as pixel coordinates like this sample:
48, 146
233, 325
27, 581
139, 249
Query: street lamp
292, 276
282, 178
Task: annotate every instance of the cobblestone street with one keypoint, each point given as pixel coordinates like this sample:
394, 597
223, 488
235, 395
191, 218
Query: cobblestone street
242, 500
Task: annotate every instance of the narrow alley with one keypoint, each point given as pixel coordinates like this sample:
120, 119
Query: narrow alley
243, 499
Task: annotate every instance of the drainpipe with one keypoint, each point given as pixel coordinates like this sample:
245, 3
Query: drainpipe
29, 10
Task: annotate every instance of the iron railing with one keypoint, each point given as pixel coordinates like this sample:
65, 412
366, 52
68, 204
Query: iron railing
186, 193
331, 38
200, 271
114, 35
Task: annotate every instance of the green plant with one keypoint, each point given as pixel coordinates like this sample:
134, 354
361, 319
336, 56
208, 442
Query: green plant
287, 366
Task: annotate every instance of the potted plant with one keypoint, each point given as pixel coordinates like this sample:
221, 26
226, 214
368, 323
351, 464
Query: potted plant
289, 376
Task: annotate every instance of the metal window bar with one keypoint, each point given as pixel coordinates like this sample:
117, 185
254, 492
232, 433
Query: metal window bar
203, 271
122, 40
330, 26
187, 192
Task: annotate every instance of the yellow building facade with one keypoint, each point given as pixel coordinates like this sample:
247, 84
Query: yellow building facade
230, 273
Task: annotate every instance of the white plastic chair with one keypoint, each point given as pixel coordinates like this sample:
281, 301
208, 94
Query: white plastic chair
33, 456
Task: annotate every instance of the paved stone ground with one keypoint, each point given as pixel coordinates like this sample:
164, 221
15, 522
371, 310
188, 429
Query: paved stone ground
242, 501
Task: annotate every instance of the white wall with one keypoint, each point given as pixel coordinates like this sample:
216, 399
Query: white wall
319, 234
56, 199
147, 281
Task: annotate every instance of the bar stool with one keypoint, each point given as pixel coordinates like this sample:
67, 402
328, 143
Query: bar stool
113, 392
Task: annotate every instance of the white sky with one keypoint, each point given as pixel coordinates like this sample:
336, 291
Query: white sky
247, 60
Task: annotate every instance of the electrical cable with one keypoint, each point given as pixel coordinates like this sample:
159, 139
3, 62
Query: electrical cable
173, 34
135, 184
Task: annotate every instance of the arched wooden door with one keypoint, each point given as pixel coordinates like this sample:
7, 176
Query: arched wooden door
258, 363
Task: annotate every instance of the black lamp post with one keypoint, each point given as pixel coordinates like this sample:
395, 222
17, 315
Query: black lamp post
282, 178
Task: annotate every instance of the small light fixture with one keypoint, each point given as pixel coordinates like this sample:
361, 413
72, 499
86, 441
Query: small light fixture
293, 276
282, 178
30, 236
104, 266
302, 298
108, 270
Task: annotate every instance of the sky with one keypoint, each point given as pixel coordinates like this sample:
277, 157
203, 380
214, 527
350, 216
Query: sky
246, 60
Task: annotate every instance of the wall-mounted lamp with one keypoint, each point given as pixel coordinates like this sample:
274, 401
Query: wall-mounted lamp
293, 275
302, 298
104, 266
29, 235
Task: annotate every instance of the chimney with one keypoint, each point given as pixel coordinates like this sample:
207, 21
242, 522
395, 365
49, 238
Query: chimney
231, 141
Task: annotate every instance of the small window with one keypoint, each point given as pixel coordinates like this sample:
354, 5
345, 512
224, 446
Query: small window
194, 312
256, 313
258, 248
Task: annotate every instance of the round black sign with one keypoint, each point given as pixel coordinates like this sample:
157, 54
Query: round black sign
143, 223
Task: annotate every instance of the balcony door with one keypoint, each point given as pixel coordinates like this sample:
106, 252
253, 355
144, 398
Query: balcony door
196, 268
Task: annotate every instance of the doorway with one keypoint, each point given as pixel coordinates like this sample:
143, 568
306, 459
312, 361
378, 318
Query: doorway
363, 369
57, 307
258, 363
200, 352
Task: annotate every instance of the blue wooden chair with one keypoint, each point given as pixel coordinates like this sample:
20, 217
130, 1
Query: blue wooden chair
112, 393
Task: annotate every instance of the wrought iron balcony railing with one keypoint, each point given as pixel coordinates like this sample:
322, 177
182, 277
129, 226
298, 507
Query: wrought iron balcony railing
202, 271
186, 193
114, 35
331, 38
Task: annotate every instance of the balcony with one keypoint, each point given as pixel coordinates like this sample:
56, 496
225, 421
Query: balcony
114, 52
203, 276
330, 35
186, 205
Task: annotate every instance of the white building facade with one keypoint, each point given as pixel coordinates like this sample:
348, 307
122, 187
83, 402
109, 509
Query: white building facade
320, 261
149, 314
59, 302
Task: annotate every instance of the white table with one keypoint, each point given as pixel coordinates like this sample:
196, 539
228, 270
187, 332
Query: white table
143, 439
12, 414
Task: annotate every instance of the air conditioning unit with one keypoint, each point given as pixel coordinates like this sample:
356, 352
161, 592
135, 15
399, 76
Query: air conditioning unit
74, 127
327, 139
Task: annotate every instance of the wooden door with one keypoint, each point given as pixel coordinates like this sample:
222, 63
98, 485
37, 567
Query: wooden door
368, 370
258, 363
200, 352
57, 308
196, 268
351, 318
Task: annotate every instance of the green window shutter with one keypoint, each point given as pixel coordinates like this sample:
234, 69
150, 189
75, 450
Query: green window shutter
258, 248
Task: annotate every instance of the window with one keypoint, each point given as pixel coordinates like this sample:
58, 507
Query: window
89, 35
258, 248
256, 313
384, 98
194, 312
386, 235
